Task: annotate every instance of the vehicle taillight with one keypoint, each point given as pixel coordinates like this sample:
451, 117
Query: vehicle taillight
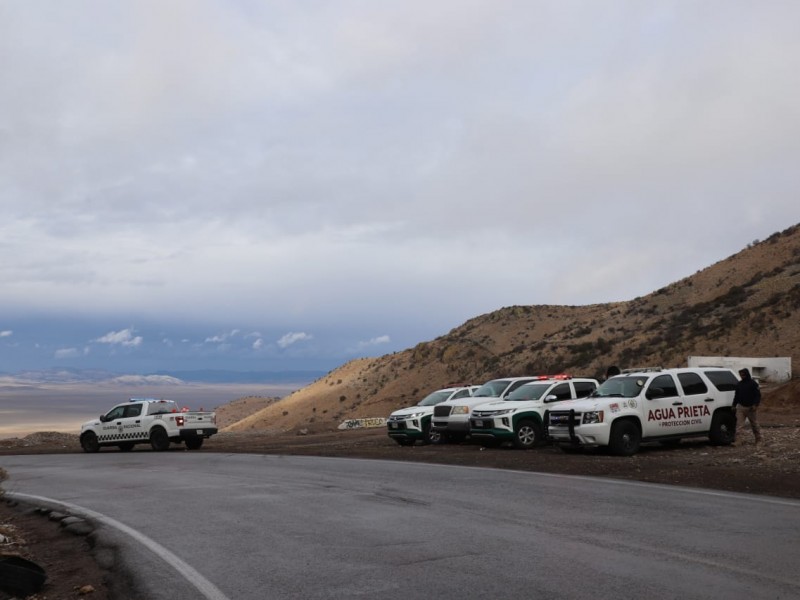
179, 420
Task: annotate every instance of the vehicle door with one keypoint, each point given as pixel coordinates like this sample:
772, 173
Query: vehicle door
111, 424
559, 393
699, 401
132, 426
663, 408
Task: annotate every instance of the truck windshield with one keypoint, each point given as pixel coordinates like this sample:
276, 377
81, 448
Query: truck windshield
622, 386
435, 398
529, 391
492, 389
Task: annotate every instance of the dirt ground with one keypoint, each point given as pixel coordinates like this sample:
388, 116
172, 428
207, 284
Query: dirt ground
771, 468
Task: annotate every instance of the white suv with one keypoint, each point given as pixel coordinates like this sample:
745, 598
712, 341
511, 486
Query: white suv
658, 405
407, 425
520, 417
451, 418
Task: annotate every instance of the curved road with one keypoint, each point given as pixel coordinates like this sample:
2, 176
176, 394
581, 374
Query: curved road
262, 526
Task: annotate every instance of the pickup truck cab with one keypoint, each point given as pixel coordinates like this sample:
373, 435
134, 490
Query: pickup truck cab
662, 405
148, 420
406, 426
519, 418
451, 418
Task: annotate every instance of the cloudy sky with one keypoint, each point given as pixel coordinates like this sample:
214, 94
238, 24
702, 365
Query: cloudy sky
259, 185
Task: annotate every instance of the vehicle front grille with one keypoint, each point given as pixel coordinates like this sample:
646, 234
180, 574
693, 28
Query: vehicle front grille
442, 411
483, 413
562, 418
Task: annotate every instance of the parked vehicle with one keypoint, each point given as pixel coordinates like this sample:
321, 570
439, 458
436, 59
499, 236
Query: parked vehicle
662, 405
519, 418
408, 425
451, 418
148, 420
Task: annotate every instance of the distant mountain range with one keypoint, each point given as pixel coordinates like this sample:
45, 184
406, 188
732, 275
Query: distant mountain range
159, 378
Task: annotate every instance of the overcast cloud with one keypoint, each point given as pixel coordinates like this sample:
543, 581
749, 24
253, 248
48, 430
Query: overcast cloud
251, 184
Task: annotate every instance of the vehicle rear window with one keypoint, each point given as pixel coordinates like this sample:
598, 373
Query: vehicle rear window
692, 384
724, 381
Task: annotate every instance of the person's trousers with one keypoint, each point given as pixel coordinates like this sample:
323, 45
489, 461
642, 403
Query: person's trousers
747, 413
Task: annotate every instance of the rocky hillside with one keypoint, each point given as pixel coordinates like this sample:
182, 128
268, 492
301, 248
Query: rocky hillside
745, 305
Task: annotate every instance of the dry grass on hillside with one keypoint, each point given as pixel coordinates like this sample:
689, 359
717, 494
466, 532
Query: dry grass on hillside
745, 305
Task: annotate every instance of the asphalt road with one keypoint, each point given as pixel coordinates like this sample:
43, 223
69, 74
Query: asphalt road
216, 526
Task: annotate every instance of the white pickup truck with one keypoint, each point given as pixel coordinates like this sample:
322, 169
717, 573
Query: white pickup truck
658, 405
148, 420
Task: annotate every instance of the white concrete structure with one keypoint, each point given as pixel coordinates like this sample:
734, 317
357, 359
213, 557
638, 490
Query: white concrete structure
772, 369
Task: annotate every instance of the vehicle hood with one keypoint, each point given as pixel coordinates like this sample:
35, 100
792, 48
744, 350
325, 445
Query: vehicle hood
584, 404
412, 410
510, 404
470, 401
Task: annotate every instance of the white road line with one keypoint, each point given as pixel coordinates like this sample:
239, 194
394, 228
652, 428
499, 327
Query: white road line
205, 587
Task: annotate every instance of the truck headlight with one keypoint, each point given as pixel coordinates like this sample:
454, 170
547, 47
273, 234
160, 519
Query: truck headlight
460, 410
594, 416
415, 415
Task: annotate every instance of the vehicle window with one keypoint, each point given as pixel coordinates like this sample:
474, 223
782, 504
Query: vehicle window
116, 413
491, 389
461, 394
625, 386
134, 410
434, 398
516, 384
530, 391
666, 385
583, 388
561, 391
692, 384
724, 381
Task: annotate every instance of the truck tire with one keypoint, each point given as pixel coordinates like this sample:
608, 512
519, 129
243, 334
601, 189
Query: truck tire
527, 435
723, 428
429, 436
194, 443
159, 440
625, 438
89, 442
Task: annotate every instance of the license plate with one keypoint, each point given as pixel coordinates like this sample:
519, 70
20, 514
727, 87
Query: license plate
200, 431
478, 423
392, 425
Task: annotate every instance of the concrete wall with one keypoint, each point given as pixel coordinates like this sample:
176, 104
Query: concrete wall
773, 370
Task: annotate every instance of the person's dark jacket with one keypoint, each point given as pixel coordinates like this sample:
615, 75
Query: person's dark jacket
747, 392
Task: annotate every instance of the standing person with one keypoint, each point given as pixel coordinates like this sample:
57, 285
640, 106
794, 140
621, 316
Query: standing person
745, 401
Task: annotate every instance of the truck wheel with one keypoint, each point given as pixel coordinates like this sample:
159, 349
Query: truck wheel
430, 436
723, 428
159, 439
528, 435
126, 447
194, 443
625, 438
89, 442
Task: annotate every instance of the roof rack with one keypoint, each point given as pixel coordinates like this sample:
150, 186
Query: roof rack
643, 370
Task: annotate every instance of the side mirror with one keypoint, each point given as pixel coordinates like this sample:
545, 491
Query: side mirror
655, 392
551, 398
103, 418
